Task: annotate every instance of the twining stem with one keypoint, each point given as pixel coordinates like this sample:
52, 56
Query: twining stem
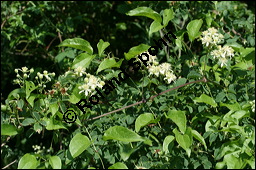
150, 98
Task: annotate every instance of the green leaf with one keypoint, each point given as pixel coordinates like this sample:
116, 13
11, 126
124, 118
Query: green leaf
109, 63
54, 107
75, 97
193, 28
15, 93
179, 118
232, 107
9, 130
30, 86
118, 165
167, 141
199, 138
122, 134
52, 124
27, 162
168, 15
208, 19
146, 12
136, 51
102, 46
31, 99
154, 27
83, 60
55, 162
28, 121
78, 144
206, 99
143, 120
183, 141
77, 43
125, 150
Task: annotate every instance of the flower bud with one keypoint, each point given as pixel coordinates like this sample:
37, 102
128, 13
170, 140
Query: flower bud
16, 70
25, 76
45, 72
31, 70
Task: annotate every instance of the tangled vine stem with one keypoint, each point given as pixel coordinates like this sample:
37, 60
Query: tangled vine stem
150, 98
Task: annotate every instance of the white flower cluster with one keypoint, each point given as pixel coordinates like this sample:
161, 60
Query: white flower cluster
25, 71
37, 149
90, 84
41, 82
79, 71
222, 53
253, 105
211, 36
163, 69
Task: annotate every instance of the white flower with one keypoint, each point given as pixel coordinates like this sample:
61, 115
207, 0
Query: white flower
152, 59
31, 70
211, 36
223, 61
170, 77
85, 88
155, 70
165, 67
80, 71
45, 72
16, 70
24, 69
93, 82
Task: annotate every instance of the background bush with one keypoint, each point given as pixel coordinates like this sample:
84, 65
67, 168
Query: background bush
219, 115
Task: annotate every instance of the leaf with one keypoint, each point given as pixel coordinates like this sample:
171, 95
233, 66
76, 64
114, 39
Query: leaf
52, 124
77, 43
54, 107
179, 118
193, 28
83, 60
146, 12
28, 121
122, 134
15, 93
206, 99
118, 165
30, 86
136, 51
31, 99
78, 144
102, 46
168, 15
143, 120
199, 138
109, 63
232, 107
27, 162
183, 141
9, 130
167, 141
154, 27
55, 162
125, 151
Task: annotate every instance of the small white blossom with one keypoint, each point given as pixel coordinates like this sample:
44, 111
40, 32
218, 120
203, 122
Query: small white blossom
24, 69
253, 105
16, 70
84, 88
170, 77
211, 36
80, 71
165, 67
154, 70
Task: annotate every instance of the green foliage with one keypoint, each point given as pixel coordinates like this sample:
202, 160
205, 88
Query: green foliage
193, 106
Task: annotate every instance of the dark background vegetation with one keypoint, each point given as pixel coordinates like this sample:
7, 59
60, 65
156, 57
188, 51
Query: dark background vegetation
30, 31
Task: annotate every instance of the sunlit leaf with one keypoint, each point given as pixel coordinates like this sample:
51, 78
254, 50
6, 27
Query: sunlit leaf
146, 12
78, 144
77, 43
28, 161
143, 120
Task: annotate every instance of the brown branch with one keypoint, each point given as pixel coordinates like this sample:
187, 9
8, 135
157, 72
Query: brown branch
151, 98
9, 164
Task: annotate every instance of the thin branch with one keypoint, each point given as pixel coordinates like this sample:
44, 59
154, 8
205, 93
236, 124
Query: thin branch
9, 164
151, 98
